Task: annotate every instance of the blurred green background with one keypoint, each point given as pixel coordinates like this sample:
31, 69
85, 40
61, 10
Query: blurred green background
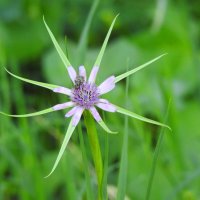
144, 30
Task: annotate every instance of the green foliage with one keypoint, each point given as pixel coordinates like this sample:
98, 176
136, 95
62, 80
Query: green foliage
28, 146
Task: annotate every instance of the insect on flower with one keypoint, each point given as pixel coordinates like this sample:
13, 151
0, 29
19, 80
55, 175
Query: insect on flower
85, 94
79, 80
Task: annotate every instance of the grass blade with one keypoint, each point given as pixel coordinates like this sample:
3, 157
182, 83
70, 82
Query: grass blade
82, 46
155, 159
122, 179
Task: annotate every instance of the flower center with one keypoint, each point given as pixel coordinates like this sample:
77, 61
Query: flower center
85, 94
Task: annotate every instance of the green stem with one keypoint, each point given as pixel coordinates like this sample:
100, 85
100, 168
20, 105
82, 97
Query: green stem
105, 167
85, 162
95, 148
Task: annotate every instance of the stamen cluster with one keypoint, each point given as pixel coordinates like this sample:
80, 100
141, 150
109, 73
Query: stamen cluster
85, 95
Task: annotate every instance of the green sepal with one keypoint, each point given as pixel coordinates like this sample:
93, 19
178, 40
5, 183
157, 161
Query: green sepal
45, 85
104, 126
126, 74
58, 48
68, 135
136, 116
42, 112
101, 53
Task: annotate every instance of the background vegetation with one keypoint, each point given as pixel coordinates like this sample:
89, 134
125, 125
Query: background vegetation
144, 30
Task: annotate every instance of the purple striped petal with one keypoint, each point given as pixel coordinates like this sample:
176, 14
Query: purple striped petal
77, 116
63, 105
95, 114
72, 73
107, 107
93, 74
63, 90
82, 72
107, 85
72, 111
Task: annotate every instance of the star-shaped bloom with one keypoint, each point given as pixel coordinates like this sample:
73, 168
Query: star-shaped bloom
85, 94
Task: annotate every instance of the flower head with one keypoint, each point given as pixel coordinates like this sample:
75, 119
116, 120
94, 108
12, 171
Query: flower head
85, 94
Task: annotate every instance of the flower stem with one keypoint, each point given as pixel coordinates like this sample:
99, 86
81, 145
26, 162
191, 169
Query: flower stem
85, 162
95, 148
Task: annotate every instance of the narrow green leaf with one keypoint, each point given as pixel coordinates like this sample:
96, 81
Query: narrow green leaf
70, 172
122, 178
153, 167
68, 135
155, 157
99, 57
124, 75
104, 126
82, 46
45, 85
42, 112
134, 115
58, 48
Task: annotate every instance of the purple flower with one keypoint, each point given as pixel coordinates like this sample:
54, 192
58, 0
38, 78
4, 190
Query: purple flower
86, 94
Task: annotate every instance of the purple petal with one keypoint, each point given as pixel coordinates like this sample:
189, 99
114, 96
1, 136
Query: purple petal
95, 114
77, 116
63, 106
72, 73
82, 72
103, 101
72, 111
63, 90
107, 107
93, 74
107, 85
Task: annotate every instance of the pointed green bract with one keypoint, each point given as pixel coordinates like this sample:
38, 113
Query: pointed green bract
42, 112
104, 126
58, 48
124, 75
68, 135
82, 46
134, 115
45, 85
99, 57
